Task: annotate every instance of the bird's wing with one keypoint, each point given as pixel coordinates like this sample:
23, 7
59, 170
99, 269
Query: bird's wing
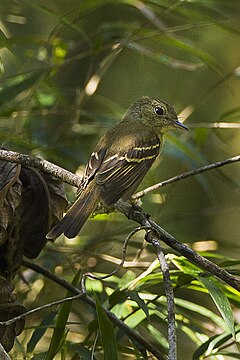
92, 167
120, 174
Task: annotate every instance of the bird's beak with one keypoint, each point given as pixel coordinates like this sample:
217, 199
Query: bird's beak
178, 124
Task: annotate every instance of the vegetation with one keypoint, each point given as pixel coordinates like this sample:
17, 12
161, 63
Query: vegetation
69, 69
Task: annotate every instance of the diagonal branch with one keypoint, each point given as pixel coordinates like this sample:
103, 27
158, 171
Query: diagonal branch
186, 175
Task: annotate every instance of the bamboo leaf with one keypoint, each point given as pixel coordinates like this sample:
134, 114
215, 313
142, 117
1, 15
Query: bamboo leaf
221, 301
59, 333
109, 343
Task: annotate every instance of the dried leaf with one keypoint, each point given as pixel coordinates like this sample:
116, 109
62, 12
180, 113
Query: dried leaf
58, 198
35, 212
30, 203
43, 203
10, 192
8, 310
10, 198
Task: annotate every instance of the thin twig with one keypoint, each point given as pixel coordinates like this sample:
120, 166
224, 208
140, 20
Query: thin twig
125, 328
46, 306
120, 265
186, 175
152, 237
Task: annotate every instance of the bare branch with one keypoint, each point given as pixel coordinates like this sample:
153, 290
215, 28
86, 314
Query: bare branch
152, 237
186, 175
46, 306
42, 165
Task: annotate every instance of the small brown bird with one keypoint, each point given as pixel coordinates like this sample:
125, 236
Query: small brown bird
120, 161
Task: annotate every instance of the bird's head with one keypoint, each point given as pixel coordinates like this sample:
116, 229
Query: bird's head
157, 114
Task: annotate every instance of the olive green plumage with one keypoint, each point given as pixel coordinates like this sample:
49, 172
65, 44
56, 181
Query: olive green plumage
120, 161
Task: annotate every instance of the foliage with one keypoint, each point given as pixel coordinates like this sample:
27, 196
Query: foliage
68, 71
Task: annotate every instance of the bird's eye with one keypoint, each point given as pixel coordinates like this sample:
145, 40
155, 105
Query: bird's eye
158, 110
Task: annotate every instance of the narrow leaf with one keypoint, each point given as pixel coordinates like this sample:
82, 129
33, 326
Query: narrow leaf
40, 331
135, 297
60, 327
109, 343
221, 301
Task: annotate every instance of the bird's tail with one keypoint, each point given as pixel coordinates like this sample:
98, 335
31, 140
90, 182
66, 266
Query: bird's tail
78, 213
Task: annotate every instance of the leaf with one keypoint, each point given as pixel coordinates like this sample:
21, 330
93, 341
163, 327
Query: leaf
198, 309
40, 331
59, 332
10, 198
186, 266
43, 202
35, 212
117, 297
221, 301
109, 343
57, 197
229, 354
213, 343
141, 303
16, 85
81, 352
8, 310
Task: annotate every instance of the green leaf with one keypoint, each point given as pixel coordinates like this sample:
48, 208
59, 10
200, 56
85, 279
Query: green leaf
221, 301
16, 85
186, 266
213, 343
60, 332
81, 352
40, 331
117, 297
198, 309
230, 355
109, 343
134, 296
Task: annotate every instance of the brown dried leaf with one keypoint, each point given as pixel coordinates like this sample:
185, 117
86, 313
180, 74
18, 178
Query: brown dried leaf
30, 203
43, 202
10, 198
58, 198
10, 192
8, 310
35, 212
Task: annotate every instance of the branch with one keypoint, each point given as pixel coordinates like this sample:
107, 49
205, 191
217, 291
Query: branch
42, 307
151, 236
42, 165
87, 299
186, 175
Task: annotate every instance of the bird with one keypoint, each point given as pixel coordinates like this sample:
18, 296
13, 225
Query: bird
121, 159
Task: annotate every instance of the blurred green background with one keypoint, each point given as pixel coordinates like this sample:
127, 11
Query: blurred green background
69, 70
